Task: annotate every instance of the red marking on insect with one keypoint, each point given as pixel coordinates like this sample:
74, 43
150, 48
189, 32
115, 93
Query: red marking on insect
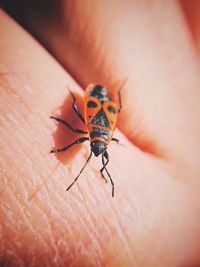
100, 119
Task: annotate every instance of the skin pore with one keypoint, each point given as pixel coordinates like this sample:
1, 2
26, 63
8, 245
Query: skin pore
153, 220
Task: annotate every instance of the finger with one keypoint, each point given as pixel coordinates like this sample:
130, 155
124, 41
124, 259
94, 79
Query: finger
39, 225
105, 42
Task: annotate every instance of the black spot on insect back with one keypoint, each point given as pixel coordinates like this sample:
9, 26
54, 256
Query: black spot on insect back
111, 109
100, 92
91, 104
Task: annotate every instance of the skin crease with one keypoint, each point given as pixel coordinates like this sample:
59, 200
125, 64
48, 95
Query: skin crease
153, 219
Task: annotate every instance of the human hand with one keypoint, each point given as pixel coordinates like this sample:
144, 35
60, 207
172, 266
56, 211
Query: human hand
153, 219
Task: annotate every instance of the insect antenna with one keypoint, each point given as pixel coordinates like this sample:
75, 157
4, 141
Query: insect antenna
80, 172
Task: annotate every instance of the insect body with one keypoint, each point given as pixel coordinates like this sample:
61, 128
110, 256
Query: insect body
100, 118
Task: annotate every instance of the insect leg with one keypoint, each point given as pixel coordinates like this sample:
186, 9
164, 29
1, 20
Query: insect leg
75, 108
104, 167
115, 139
120, 101
80, 171
119, 94
102, 175
68, 125
78, 141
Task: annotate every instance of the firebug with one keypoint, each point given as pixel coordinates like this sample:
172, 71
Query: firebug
100, 118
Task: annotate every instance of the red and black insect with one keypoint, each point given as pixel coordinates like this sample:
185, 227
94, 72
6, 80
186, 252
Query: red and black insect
100, 118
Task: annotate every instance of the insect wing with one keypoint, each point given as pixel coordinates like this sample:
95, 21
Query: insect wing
111, 111
92, 107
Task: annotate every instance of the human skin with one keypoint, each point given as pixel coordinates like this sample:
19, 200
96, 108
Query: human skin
153, 220
191, 9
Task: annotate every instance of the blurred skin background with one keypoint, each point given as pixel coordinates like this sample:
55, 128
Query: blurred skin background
153, 220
